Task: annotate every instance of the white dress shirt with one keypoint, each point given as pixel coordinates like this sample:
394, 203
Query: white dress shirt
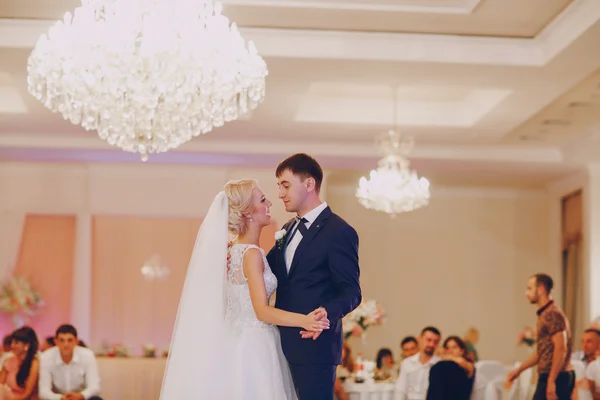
592, 372
310, 217
414, 378
78, 376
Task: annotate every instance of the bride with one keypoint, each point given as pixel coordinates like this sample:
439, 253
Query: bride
225, 343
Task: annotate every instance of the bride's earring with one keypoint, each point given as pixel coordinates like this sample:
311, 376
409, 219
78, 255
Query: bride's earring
251, 219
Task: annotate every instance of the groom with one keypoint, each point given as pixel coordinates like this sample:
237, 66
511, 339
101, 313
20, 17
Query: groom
316, 264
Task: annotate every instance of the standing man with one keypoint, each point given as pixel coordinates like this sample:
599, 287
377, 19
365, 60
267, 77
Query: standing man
316, 264
553, 355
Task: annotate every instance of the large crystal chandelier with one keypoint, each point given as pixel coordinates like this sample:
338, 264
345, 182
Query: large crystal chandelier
393, 187
148, 75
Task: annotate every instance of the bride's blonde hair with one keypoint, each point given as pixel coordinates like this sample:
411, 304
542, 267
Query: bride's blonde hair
239, 194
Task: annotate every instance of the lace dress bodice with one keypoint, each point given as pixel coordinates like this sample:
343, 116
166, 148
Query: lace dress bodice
240, 313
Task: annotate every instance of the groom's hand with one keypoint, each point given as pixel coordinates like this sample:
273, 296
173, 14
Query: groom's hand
320, 315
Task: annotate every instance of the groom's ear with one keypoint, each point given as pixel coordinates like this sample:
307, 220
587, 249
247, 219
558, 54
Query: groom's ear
310, 183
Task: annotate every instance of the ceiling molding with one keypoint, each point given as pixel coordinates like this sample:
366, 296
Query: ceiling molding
370, 104
569, 184
377, 46
345, 45
491, 153
586, 149
578, 17
460, 6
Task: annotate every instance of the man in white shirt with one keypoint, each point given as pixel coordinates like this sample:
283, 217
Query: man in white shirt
590, 345
68, 371
414, 370
592, 374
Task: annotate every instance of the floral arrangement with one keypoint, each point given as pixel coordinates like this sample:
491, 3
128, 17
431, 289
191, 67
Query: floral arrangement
366, 372
527, 337
369, 313
149, 350
18, 298
115, 350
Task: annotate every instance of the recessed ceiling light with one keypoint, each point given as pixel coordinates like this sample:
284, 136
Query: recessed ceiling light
556, 122
530, 138
581, 104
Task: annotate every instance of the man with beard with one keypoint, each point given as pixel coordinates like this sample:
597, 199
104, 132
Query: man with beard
553, 356
414, 370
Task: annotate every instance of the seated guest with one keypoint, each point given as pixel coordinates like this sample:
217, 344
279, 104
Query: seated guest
19, 375
592, 375
452, 378
471, 339
409, 346
47, 343
6, 348
7, 343
343, 371
385, 366
590, 345
414, 370
68, 371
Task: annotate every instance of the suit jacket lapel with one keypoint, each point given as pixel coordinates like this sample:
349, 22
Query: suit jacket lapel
310, 235
281, 267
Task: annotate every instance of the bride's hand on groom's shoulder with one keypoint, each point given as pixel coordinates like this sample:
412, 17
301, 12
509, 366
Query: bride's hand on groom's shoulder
318, 318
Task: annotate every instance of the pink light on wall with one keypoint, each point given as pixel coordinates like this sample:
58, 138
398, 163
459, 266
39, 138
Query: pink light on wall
46, 257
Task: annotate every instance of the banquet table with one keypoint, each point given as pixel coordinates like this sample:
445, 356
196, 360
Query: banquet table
136, 378
131, 378
369, 391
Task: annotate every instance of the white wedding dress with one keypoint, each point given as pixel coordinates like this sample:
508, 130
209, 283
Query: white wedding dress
260, 370
219, 348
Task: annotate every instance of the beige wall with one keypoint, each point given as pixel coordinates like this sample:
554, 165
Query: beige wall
462, 261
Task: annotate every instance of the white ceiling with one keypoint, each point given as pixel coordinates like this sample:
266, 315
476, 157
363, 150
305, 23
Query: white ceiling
493, 90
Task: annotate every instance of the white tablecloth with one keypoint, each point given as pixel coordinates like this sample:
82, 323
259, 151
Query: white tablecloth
369, 391
131, 378
141, 378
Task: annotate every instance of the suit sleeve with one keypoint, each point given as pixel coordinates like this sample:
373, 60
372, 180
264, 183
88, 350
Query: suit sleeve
345, 273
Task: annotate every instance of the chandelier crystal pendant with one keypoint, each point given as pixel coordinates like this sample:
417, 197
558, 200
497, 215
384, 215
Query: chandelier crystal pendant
147, 75
393, 187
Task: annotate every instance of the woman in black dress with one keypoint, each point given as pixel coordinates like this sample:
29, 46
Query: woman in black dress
452, 378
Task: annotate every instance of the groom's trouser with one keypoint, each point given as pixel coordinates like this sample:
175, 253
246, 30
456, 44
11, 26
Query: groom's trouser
314, 382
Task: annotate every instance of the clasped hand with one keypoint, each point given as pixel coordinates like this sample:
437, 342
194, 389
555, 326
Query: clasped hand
318, 322
73, 396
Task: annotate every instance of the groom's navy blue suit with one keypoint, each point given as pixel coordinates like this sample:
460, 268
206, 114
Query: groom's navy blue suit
324, 272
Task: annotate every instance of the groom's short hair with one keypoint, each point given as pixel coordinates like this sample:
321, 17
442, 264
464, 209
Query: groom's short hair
304, 166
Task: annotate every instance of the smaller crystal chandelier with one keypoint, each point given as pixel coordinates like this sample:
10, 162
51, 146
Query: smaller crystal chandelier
155, 270
393, 187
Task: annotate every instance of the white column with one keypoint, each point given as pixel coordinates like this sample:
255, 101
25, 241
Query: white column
11, 232
592, 239
81, 292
